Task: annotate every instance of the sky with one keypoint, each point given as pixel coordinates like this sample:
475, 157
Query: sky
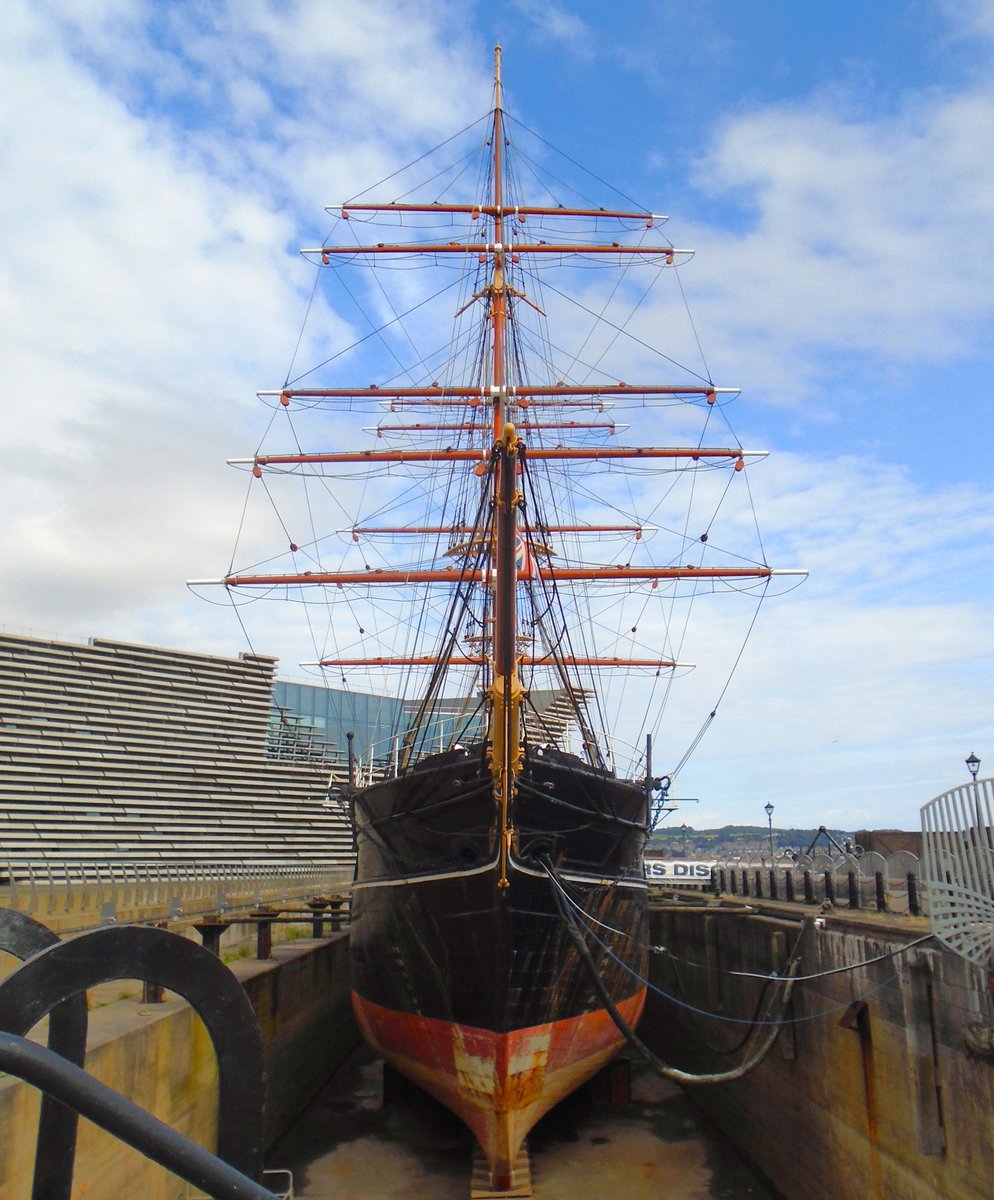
162, 163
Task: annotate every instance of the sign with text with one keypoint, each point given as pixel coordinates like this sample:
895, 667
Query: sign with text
678, 871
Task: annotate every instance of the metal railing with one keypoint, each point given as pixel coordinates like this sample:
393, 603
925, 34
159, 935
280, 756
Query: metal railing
53, 974
958, 868
104, 893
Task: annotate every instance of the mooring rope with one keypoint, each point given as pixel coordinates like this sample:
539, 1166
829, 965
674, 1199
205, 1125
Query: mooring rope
664, 1069
765, 976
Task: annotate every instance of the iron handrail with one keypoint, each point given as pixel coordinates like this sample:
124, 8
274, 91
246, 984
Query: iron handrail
80, 1091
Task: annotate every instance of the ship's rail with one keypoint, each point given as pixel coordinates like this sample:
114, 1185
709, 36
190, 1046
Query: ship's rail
553, 723
857, 880
382, 759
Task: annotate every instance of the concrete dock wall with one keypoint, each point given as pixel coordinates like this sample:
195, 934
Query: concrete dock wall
161, 1057
305, 1012
871, 1091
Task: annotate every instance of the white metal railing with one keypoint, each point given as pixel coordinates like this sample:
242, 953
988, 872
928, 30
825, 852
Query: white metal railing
958, 868
102, 890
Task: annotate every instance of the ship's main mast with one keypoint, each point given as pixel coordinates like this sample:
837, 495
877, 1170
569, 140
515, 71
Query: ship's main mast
499, 456
504, 749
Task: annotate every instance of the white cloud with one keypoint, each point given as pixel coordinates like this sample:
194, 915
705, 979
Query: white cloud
552, 22
866, 238
146, 293
969, 18
160, 163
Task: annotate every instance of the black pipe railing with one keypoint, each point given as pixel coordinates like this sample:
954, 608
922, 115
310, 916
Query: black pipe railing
83, 1094
47, 979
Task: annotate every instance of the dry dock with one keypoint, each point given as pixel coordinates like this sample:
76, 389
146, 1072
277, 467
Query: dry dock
880, 1086
352, 1146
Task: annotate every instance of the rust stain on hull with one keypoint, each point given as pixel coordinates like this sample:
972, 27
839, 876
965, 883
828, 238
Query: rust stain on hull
499, 1084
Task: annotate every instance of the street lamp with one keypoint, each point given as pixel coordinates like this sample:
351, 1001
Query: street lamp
768, 809
973, 766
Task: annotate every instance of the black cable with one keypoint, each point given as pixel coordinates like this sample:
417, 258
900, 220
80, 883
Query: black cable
663, 1069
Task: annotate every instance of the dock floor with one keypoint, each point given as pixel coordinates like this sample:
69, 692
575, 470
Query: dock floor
352, 1146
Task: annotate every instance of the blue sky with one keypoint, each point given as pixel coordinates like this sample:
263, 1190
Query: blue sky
160, 164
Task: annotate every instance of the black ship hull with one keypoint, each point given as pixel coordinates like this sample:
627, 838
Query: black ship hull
464, 975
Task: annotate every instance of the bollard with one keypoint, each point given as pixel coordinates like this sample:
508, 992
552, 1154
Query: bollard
809, 889
733, 875
913, 906
854, 899
878, 881
336, 904
745, 882
773, 884
830, 887
264, 917
317, 906
789, 884
759, 883
154, 993
210, 927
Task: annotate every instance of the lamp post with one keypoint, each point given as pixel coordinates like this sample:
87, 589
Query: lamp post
973, 766
768, 809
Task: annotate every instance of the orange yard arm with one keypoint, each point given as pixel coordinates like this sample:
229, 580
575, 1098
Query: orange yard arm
453, 575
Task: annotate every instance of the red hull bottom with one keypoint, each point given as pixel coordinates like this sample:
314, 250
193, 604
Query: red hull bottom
499, 1084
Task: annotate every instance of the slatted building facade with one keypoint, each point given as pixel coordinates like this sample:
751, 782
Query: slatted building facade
112, 752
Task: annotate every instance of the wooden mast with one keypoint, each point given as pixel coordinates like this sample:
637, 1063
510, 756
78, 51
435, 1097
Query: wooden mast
504, 750
497, 454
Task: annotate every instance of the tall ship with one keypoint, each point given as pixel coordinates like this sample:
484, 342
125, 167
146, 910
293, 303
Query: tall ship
517, 558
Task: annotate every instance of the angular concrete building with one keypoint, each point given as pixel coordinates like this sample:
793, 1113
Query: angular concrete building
112, 752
